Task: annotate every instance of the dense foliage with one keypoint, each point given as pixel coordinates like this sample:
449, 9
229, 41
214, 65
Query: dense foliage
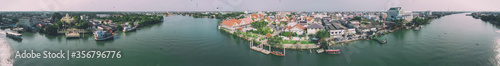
322, 34
492, 19
236, 15
275, 40
421, 21
356, 18
258, 24
262, 31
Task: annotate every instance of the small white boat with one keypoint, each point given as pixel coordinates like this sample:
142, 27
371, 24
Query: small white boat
320, 50
128, 29
416, 28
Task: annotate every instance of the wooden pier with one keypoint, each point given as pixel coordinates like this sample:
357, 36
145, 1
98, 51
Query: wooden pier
259, 48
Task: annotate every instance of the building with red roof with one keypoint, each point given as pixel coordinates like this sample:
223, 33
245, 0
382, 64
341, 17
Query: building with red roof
233, 24
297, 28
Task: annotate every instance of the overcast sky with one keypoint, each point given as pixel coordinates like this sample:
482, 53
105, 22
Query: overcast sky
243, 5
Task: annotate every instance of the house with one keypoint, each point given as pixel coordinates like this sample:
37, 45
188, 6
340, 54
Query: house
257, 16
284, 19
336, 30
297, 28
233, 24
312, 29
107, 21
269, 20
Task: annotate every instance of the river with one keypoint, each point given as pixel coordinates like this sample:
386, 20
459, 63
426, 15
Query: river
454, 40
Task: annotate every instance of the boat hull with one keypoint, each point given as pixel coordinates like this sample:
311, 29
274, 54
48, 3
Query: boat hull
105, 38
14, 37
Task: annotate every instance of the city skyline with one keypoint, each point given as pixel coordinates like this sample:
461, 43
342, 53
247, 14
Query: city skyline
244, 5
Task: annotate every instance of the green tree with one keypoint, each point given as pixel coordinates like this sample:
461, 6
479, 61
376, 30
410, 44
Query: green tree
51, 30
322, 34
356, 18
274, 40
258, 24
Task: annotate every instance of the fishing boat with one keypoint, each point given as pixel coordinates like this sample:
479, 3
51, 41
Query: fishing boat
333, 51
277, 53
103, 35
14, 35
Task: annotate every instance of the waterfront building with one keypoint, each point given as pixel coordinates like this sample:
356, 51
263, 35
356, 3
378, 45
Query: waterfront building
336, 30
232, 24
312, 29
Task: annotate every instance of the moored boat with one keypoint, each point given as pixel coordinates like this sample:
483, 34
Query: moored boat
14, 35
320, 50
277, 53
103, 35
333, 51
71, 34
128, 29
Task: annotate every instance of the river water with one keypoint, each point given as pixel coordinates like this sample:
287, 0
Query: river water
454, 40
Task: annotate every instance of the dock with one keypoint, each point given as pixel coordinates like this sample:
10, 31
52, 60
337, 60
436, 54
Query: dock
264, 50
259, 48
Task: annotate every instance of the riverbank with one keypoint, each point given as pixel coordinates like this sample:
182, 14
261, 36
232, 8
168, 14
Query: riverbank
257, 41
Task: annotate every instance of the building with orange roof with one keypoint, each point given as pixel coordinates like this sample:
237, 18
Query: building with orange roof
269, 20
297, 28
257, 16
233, 24
284, 19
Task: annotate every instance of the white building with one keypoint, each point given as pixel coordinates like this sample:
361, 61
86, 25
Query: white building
394, 12
312, 29
336, 30
428, 13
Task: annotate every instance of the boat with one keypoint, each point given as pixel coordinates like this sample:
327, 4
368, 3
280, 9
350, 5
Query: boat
20, 30
333, 51
320, 50
103, 35
71, 34
14, 35
277, 53
128, 29
416, 28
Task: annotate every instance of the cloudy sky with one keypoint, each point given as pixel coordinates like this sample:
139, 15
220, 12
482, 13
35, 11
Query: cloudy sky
242, 5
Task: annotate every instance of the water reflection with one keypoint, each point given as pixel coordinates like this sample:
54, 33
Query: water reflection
109, 41
497, 50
